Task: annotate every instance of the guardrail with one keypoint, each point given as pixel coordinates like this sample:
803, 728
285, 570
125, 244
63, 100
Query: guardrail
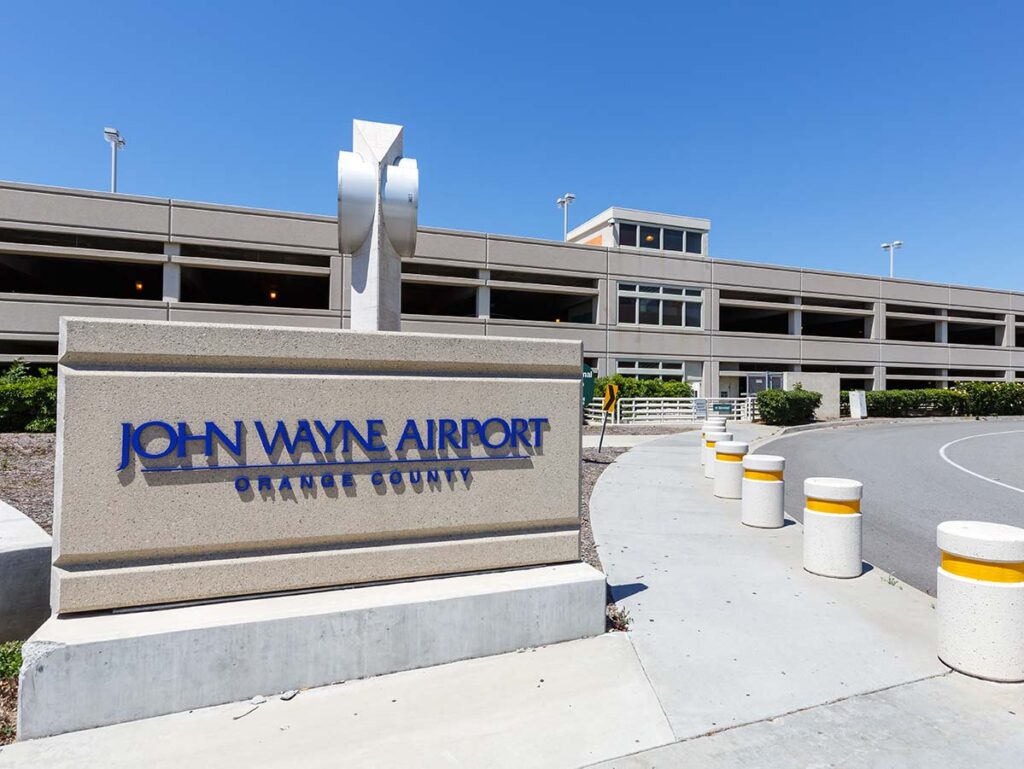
669, 410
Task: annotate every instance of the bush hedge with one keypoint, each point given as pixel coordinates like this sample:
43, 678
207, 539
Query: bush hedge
787, 407
631, 387
28, 402
981, 399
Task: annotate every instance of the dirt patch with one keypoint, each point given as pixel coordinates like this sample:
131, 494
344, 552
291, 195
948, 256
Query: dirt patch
642, 429
26, 475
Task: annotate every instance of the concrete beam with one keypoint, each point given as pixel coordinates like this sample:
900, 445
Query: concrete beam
141, 664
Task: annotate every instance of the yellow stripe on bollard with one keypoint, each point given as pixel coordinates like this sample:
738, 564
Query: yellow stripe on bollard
709, 444
763, 475
826, 506
728, 457
985, 571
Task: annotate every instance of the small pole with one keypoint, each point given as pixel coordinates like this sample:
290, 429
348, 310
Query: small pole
113, 166
600, 441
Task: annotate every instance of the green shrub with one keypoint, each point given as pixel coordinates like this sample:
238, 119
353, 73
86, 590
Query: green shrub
913, 403
631, 387
992, 398
787, 407
10, 659
28, 402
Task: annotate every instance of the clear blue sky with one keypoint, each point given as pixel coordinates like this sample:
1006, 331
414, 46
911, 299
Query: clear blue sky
807, 132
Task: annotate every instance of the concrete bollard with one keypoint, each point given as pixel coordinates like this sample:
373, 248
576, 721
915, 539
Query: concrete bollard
832, 527
729, 468
764, 491
980, 599
709, 446
711, 425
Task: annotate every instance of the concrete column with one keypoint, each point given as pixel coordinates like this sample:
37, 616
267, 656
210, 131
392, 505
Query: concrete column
172, 274
483, 296
942, 328
709, 379
336, 300
711, 298
1010, 330
795, 322
876, 322
1009, 375
878, 378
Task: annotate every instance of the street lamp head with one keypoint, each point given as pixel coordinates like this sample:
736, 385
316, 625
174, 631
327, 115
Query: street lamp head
565, 200
113, 136
897, 244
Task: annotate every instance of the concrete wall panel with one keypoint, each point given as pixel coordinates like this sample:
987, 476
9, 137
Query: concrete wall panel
838, 350
733, 346
112, 215
252, 227
255, 316
977, 298
900, 291
632, 266
841, 285
451, 247
509, 254
895, 354
41, 317
755, 277
630, 343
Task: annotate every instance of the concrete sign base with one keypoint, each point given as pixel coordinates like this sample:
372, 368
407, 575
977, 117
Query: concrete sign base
86, 671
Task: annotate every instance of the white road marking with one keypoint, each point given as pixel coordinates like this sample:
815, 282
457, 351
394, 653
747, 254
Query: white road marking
942, 453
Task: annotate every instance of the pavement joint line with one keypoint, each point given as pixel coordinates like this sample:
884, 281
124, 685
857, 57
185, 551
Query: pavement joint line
654, 691
767, 719
942, 453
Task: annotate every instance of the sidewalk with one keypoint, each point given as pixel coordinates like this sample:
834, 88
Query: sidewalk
780, 667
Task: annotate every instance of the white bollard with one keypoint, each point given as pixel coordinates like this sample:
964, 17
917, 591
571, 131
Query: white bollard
764, 491
729, 468
980, 599
832, 527
709, 447
711, 425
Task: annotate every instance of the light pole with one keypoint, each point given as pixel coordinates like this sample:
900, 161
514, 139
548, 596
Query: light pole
117, 142
892, 248
563, 203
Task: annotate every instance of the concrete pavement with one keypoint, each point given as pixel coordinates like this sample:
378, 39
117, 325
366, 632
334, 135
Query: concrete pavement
909, 486
734, 635
559, 706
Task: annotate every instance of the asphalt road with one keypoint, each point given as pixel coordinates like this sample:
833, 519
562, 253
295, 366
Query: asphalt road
915, 476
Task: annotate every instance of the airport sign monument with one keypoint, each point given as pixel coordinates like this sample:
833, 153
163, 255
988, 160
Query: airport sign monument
242, 510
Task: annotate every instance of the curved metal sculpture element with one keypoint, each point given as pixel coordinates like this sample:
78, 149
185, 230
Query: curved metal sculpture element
378, 202
357, 200
400, 204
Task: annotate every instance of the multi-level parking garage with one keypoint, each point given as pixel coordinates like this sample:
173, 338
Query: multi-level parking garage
638, 288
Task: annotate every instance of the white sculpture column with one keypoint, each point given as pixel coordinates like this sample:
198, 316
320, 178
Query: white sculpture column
378, 198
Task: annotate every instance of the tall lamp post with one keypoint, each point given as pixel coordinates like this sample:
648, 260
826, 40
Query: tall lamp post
563, 203
892, 248
117, 142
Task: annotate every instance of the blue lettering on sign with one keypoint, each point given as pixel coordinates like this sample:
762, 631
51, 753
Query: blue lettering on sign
303, 452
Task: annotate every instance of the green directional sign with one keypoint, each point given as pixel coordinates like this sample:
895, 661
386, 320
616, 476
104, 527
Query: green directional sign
588, 384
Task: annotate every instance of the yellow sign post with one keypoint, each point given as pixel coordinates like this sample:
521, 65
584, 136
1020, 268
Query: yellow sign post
611, 400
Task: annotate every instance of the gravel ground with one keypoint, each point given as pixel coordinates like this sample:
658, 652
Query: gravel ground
26, 475
670, 429
8, 709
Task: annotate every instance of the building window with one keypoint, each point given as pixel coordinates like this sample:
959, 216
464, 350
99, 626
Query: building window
693, 243
675, 371
673, 240
646, 236
627, 234
650, 237
660, 305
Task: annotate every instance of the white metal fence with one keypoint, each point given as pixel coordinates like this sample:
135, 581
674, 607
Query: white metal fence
667, 410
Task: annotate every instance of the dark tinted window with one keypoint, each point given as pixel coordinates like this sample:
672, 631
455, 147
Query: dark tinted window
693, 242
673, 240
693, 315
627, 234
649, 311
627, 310
672, 314
650, 237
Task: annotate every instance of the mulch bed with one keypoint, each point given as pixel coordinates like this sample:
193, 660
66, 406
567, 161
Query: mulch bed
26, 475
8, 709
